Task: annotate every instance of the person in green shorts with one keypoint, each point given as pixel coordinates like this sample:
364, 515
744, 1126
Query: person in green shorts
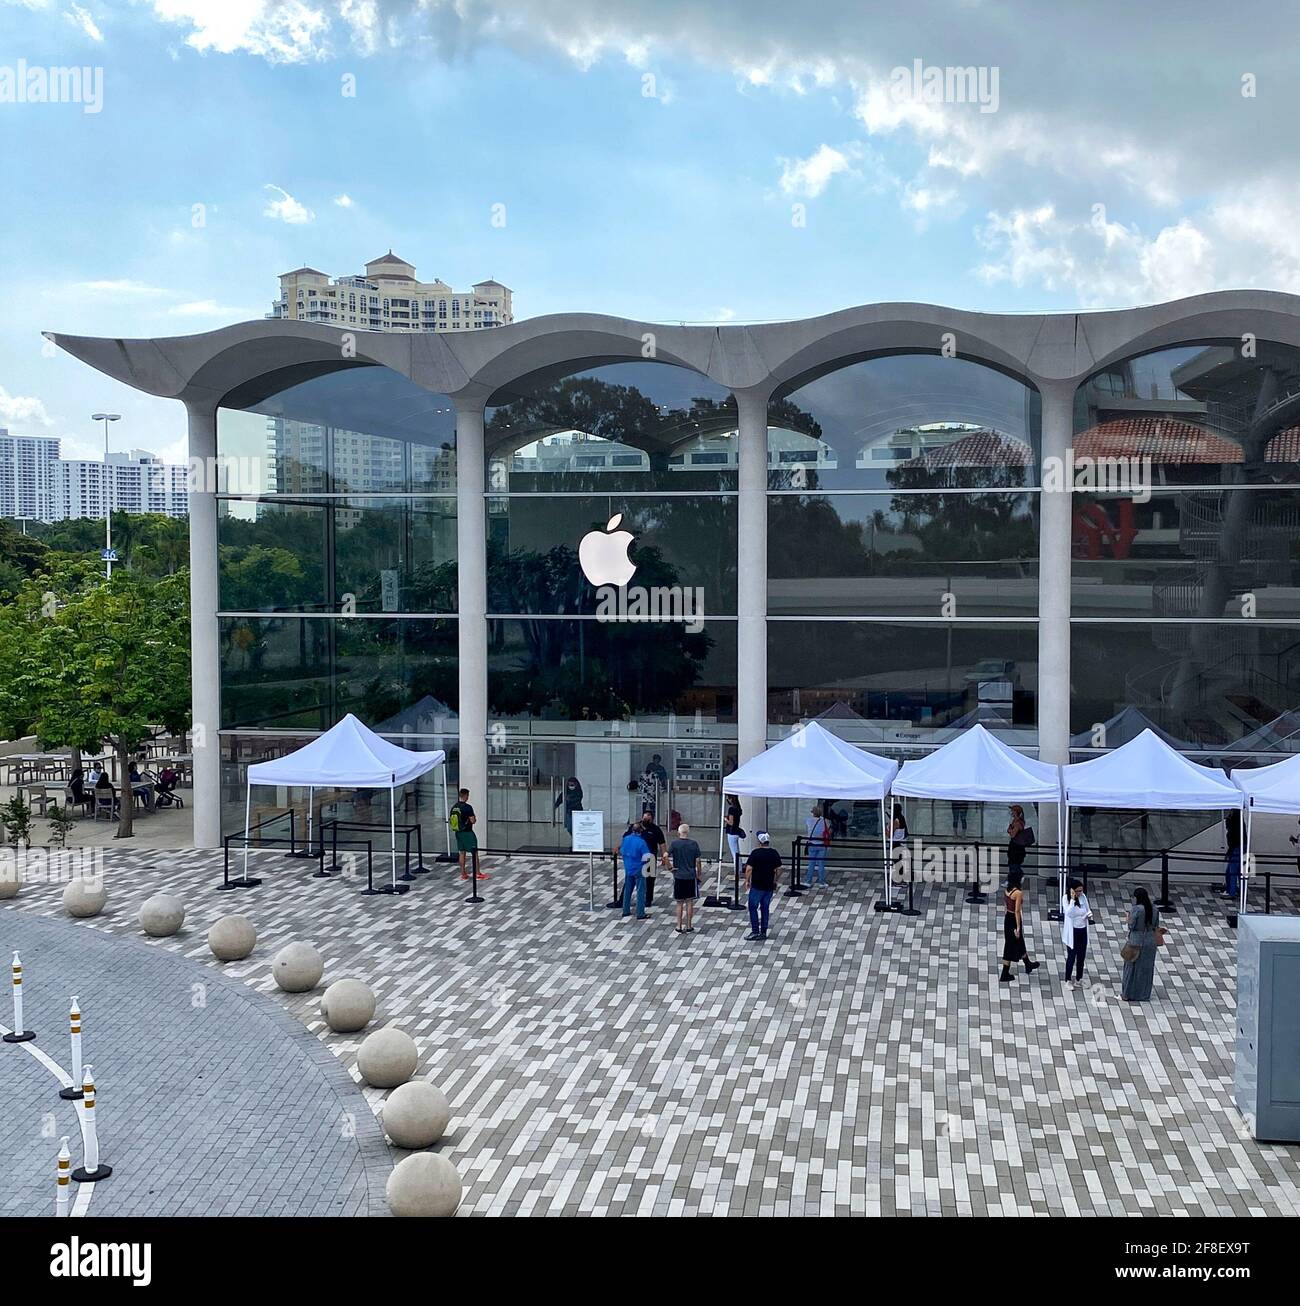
462, 826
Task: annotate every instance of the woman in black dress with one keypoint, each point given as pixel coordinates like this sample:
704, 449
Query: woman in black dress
1013, 928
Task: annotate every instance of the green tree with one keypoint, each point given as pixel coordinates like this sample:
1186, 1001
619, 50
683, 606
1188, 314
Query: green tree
86, 661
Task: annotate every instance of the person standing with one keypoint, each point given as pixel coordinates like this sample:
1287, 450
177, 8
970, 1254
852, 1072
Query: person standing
734, 830
1074, 930
655, 841
1139, 953
1232, 865
684, 854
960, 811
635, 854
819, 839
1020, 838
1013, 928
571, 797
463, 821
761, 869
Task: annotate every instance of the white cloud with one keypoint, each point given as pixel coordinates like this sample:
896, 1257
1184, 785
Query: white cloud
81, 18
345, 201
286, 208
811, 176
208, 308
279, 31
19, 411
121, 286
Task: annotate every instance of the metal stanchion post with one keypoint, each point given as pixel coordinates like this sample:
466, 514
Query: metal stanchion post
735, 904
1165, 902
616, 900
92, 1171
19, 1034
591, 883
320, 873
72, 1093
473, 892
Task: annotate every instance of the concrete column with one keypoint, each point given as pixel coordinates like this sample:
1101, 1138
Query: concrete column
471, 586
1054, 574
751, 580
205, 668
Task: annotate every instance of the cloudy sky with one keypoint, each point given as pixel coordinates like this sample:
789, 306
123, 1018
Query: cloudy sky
675, 160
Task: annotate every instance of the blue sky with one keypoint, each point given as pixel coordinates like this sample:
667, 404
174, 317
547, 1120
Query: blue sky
1125, 163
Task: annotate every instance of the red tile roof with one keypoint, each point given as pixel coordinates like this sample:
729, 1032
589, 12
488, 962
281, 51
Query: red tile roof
1173, 440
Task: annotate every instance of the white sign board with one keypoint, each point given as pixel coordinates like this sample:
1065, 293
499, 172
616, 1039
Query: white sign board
588, 832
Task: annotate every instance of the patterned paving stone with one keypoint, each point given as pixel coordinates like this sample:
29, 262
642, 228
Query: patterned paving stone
853, 1064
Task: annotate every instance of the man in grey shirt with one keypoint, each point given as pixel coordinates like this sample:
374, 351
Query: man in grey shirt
684, 854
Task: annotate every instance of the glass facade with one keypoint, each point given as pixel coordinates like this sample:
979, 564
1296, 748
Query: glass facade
646, 452
903, 511
1185, 592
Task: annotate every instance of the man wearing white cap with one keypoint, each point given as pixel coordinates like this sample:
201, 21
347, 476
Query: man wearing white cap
761, 869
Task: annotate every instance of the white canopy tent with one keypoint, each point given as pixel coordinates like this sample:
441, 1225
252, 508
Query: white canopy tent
814, 763
1144, 774
1274, 788
978, 767
347, 756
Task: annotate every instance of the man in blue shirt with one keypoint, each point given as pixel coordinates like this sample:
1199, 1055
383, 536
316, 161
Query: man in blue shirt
635, 853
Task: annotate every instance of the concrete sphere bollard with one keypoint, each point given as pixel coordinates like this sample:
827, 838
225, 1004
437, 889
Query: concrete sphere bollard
162, 915
416, 1114
85, 897
232, 938
387, 1058
424, 1184
10, 882
298, 967
347, 1005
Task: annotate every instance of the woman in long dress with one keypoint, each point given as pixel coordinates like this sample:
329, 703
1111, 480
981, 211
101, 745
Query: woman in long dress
1140, 973
1013, 928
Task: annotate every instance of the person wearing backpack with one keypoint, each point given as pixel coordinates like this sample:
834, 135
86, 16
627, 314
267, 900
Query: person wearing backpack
819, 840
734, 830
462, 820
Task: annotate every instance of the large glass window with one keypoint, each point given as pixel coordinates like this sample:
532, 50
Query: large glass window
357, 430
308, 672
593, 676
1204, 554
272, 556
1217, 413
902, 682
904, 421
637, 426
545, 553
1224, 688
924, 555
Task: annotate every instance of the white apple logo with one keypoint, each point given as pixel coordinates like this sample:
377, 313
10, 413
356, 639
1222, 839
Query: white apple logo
602, 555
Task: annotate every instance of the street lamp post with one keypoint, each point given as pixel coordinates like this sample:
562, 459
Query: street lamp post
108, 497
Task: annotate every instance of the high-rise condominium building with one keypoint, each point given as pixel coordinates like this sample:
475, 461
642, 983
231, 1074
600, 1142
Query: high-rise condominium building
27, 475
137, 481
387, 297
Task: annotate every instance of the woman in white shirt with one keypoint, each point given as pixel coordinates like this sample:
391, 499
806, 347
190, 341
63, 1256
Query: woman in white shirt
1074, 929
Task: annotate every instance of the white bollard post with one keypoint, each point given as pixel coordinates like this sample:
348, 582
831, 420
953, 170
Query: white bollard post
64, 1178
72, 1093
92, 1170
20, 1034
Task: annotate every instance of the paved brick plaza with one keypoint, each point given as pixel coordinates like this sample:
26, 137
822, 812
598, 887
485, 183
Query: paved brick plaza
854, 1064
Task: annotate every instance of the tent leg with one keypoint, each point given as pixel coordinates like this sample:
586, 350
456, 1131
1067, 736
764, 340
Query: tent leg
1244, 875
886, 902
244, 882
977, 897
448, 856
392, 886
715, 898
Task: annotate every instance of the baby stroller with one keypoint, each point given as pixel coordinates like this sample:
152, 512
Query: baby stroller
165, 794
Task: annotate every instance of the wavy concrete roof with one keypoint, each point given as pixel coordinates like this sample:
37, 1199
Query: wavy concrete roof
1043, 348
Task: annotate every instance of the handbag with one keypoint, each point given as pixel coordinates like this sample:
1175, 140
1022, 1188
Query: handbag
1160, 936
1130, 952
